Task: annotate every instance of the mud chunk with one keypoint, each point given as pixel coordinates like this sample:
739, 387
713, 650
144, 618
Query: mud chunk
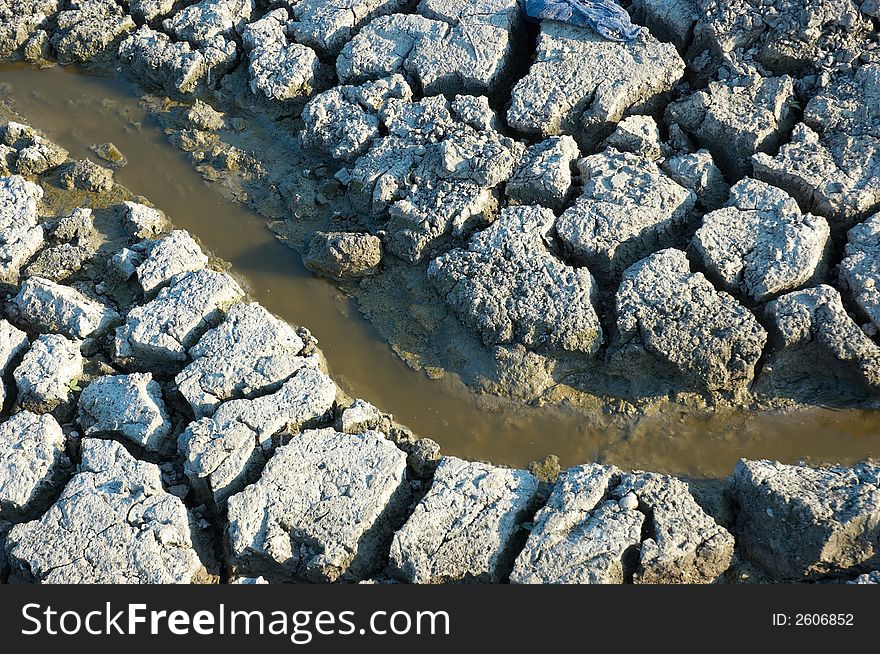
304, 400
327, 27
475, 111
819, 352
790, 37
448, 47
383, 47
21, 236
808, 170
58, 263
163, 329
761, 245
13, 342
224, 453
86, 176
51, 307
38, 48
360, 417
36, 155
672, 324
380, 177
343, 255
628, 209
210, 22
736, 118
827, 166
283, 74
343, 121
465, 527
75, 241
125, 263
279, 69
150, 11
176, 66
860, 270
270, 28
48, 373
476, 55
594, 529
114, 514
18, 135
20, 19
39, 157
169, 256
799, 522
668, 20
32, 462
90, 29
561, 95
580, 536
143, 221
250, 353
544, 174
322, 510
697, 171
434, 174
432, 212
78, 225
451, 193
109, 153
684, 545
422, 454
637, 134
130, 406
510, 288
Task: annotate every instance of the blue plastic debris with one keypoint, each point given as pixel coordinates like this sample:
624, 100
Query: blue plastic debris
604, 16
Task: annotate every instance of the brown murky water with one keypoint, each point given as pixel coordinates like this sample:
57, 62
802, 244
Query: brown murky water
77, 110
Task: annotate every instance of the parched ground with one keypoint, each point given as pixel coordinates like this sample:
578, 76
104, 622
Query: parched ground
690, 212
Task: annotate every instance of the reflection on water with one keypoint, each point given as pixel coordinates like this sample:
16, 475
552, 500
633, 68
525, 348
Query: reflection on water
77, 110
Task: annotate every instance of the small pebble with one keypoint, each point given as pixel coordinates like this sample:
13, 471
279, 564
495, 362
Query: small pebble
628, 502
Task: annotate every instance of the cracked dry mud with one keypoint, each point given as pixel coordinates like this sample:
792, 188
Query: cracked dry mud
686, 222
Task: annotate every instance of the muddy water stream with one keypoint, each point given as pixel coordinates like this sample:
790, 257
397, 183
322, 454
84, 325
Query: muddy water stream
77, 110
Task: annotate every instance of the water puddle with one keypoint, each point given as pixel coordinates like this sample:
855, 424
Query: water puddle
77, 110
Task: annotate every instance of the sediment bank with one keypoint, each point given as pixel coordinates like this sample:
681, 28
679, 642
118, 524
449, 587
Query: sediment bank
164, 428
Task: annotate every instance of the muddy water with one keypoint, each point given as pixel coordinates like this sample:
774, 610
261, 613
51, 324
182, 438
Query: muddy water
77, 110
